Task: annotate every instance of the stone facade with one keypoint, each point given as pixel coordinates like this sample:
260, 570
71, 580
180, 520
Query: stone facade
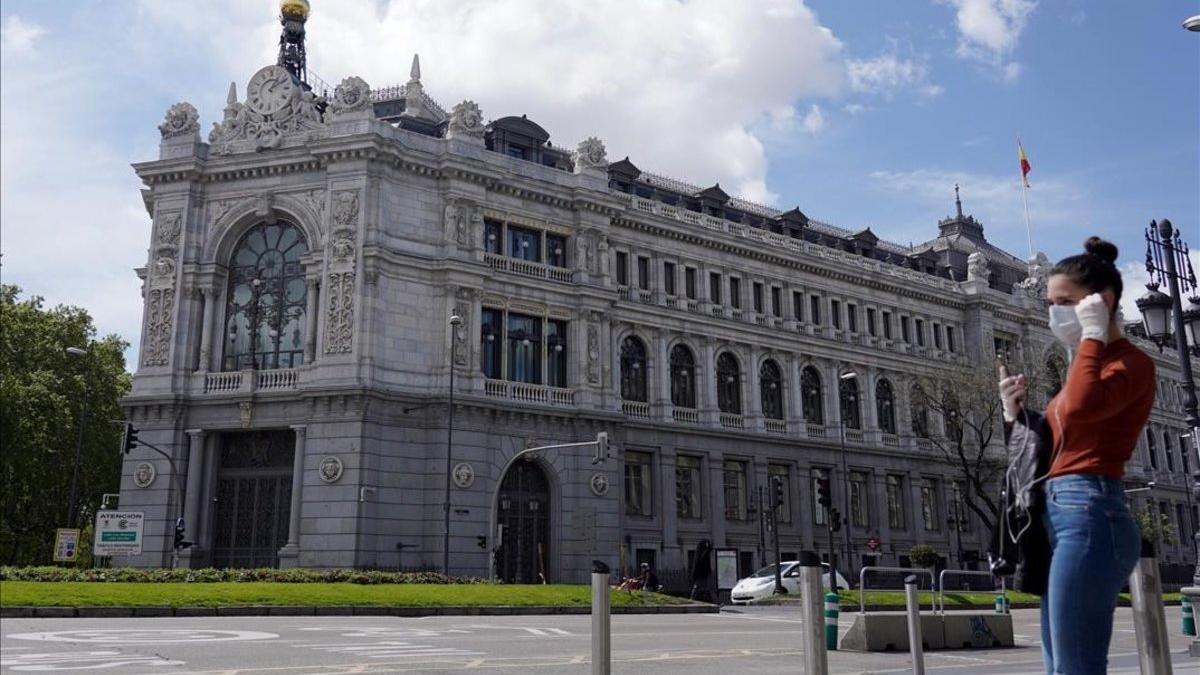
405, 222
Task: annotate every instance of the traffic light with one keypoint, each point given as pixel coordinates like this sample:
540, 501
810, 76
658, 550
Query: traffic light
601, 453
778, 489
481, 541
824, 498
129, 439
835, 520
180, 543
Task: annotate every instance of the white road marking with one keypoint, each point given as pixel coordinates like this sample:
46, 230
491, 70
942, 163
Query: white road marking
94, 660
145, 637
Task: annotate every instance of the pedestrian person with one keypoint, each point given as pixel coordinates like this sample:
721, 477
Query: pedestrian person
1094, 422
702, 571
649, 580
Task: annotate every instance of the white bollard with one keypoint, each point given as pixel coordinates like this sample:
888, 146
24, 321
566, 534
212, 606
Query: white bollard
813, 614
601, 625
915, 646
1149, 622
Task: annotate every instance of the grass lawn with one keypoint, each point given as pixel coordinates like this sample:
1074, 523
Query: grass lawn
97, 594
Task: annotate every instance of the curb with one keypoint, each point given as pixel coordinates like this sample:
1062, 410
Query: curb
303, 610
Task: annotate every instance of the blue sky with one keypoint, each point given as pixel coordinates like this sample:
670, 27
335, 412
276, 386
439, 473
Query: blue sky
862, 113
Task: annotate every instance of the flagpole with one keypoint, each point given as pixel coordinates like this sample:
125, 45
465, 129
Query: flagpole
1025, 200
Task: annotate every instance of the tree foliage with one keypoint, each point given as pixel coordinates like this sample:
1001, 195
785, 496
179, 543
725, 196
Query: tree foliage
922, 555
1155, 527
42, 389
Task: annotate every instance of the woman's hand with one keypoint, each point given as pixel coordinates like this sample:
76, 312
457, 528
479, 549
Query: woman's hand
1094, 317
1013, 391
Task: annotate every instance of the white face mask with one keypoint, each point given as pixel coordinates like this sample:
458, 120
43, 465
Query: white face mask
1065, 325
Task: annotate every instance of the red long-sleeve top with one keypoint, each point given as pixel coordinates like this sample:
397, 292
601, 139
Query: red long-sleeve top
1101, 409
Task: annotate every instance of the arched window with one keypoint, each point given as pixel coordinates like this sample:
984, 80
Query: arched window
683, 377
848, 395
920, 412
770, 381
265, 313
885, 406
811, 396
729, 384
633, 369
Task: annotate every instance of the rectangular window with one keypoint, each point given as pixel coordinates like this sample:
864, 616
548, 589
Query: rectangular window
895, 502
556, 250
783, 474
622, 268
714, 287
852, 317
493, 236
814, 310
643, 272
904, 332
937, 336
491, 342
777, 301
524, 244
518, 152
524, 349
887, 325
689, 282
735, 292
687, 487
1181, 522
758, 297
556, 353
930, 513
669, 278
798, 306
735, 489
858, 499
637, 483
835, 314
950, 339
871, 321
920, 328
959, 510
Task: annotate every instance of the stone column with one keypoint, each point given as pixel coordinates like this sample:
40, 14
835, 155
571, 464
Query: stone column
753, 407
707, 369
311, 310
289, 555
670, 531
791, 397
195, 472
209, 296
869, 408
660, 397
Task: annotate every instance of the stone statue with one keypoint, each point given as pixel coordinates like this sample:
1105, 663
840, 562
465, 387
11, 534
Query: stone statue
452, 220
977, 267
466, 121
583, 256
604, 256
1034, 285
351, 95
181, 120
590, 154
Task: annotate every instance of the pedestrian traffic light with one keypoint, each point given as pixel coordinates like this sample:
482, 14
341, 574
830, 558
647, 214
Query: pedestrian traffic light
824, 498
601, 453
180, 542
835, 520
778, 489
129, 438
481, 541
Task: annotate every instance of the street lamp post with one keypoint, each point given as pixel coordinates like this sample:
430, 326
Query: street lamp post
73, 499
846, 513
455, 322
956, 518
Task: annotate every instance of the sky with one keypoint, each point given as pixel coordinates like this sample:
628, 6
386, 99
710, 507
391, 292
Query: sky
862, 113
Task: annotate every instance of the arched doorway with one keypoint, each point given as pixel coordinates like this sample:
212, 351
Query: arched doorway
523, 525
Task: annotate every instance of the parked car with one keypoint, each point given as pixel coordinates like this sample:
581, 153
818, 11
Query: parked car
761, 584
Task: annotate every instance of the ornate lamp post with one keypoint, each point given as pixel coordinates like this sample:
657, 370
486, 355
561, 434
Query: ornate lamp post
455, 322
850, 398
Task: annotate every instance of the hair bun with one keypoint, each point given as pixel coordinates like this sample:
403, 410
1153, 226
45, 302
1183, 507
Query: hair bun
1101, 249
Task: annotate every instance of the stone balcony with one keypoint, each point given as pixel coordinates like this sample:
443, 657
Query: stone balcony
248, 381
529, 393
527, 268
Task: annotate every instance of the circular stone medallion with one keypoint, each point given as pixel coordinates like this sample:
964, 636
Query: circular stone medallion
599, 484
330, 469
464, 475
143, 474
270, 90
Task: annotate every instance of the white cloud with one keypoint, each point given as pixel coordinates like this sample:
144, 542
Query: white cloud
855, 108
814, 121
989, 30
888, 74
17, 36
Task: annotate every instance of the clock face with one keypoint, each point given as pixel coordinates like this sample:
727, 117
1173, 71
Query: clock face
270, 90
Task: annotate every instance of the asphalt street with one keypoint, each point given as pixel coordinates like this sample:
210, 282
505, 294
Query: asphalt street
745, 640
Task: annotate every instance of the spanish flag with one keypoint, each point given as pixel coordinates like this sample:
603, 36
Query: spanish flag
1024, 163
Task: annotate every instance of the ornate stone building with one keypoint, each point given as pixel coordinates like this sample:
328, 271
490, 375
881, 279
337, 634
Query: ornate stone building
297, 355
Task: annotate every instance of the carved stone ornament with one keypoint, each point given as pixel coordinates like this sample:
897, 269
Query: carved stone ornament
181, 120
275, 107
977, 267
246, 413
605, 260
590, 155
169, 226
461, 348
464, 475
144, 474
466, 120
1034, 285
330, 469
352, 95
339, 322
345, 207
598, 484
593, 354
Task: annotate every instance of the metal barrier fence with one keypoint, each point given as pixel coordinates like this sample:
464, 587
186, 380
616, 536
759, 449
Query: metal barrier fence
940, 597
862, 581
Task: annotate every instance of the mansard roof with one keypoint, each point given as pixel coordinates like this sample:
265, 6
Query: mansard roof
522, 125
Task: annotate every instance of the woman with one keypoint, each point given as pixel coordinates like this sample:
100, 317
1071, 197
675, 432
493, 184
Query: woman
1095, 421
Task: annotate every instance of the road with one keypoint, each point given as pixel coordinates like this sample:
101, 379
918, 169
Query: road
758, 640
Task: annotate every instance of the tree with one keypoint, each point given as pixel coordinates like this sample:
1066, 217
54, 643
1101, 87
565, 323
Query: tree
1155, 526
922, 555
41, 392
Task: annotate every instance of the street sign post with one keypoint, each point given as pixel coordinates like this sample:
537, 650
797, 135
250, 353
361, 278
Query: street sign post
119, 533
66, 544
873, 544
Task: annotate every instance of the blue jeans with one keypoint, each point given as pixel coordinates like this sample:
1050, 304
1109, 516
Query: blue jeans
1096, 545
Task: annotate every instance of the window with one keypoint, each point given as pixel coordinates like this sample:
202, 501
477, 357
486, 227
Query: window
669, 278
637, 483
887, 325
776, 301
735, 292
835, 314
689, 282
518, 152
814, 310
1167, 451
758, 297
622, 268
937, 336
871, 321
1181, 520
885, 406
643, 272
950, 339
556, 353
920, 412
920, 327
490, 344
848, 396
556, 250
521, 348
1151, 448
1183, 457
811, 396
770, 382
687, 487
904, 335
1005, 345
959, 511
895, 502
781, 473
797, 305
714, 287
859, 499
820, 513
493, 235
524, 348
735, 489
729, 385
852, 317
633, 369
683, 377
930, 513
524, 244
265, 316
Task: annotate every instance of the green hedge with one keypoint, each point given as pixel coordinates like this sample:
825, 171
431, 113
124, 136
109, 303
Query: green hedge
210, 575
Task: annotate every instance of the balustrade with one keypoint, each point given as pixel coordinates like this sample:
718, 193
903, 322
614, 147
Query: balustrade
636, 409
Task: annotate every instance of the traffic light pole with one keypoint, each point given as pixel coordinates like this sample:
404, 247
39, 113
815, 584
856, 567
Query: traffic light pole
778, 501
180, 525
